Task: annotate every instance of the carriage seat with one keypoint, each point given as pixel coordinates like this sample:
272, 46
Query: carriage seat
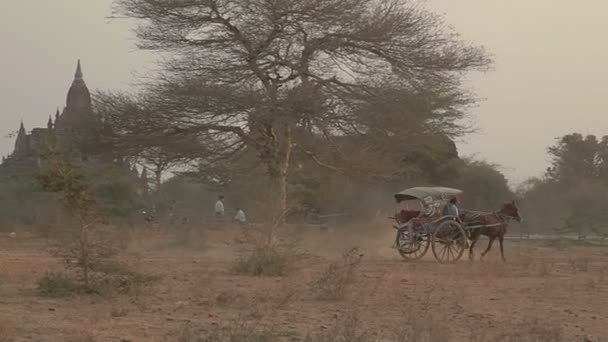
406, 215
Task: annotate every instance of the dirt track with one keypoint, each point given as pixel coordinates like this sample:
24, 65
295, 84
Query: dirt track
542, 292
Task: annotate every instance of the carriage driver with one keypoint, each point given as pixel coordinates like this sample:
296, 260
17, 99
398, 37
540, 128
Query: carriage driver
451, 209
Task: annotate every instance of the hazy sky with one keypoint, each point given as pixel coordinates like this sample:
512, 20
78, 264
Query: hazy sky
549, 78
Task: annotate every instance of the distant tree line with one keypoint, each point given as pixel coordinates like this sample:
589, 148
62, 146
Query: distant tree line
573, 193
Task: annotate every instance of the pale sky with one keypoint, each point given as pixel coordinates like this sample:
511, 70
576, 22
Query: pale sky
549, 78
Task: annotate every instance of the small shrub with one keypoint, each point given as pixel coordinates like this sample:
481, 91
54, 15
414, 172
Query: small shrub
331, 284
226, 299
268, 259
56, 284
118, 312
126, 282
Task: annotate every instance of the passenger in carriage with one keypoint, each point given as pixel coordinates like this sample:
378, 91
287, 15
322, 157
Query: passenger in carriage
414, 219
405, 215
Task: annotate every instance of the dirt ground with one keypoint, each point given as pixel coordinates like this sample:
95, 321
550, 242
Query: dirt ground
543, 293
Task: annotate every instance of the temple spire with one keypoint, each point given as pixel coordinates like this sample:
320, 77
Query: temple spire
79, 99
78, 74
21, 128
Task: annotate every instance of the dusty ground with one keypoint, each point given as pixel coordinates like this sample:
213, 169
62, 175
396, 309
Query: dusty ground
544, 293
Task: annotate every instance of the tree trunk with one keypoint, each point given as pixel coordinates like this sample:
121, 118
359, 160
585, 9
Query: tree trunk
158, 174
84, 251
284, 159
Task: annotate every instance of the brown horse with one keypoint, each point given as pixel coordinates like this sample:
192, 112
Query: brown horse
493, 225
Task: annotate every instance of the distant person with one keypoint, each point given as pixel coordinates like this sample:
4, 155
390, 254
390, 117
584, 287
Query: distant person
240, 216
219, 207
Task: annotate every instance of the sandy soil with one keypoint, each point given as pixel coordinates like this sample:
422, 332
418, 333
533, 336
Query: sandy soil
544, 293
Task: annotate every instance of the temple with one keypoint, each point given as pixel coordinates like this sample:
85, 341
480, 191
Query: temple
75, 130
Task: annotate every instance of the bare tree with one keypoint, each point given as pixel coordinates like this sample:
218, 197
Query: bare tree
257, 73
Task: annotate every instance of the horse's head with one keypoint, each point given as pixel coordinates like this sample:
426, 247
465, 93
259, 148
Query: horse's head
510, 209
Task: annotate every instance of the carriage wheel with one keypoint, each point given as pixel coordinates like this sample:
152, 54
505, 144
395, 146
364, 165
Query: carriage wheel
449, 241
411, 250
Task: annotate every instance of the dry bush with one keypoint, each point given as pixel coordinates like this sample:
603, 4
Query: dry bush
118, 312
110, 277
57, 284
226, 299
332, 283
106, 278
270, 256
264, 261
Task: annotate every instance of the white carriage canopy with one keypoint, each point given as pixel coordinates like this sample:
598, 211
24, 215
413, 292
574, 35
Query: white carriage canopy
427, 194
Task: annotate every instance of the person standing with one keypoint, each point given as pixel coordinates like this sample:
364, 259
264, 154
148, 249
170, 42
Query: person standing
219, 208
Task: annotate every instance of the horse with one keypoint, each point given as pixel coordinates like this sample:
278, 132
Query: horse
493, 225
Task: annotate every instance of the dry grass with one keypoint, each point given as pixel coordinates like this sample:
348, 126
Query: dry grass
384, 300
348, 330
57, 284
579, 264
8, 330
264, 261
236, 331
534, 331
332, 283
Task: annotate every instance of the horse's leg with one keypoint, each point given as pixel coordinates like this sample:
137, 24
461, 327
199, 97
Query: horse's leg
502, 253
474, 238
492, 238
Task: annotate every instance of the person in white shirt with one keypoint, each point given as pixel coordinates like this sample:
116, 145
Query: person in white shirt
219, 207
240, 216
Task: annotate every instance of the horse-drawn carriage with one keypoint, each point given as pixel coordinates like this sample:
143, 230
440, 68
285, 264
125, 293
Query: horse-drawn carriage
448, 236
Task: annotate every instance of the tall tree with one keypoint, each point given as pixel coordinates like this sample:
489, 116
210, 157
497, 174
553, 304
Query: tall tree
575, 157
254, 72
